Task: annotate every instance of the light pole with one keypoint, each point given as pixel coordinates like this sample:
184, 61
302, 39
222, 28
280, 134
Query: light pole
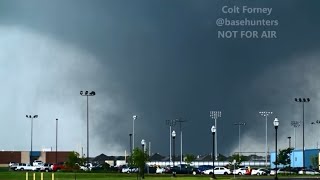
213, 131
289, 138
134, 118
171, 124
56, 140
29, 116
266, 114
276, 124
302, 100
239, 124
215, 115
173, 134
317, 122
143, 142
295, 124
86, 93
130, 139
180, 123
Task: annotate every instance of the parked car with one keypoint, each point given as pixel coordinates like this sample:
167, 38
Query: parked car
240, 171
204, 167
45, 167
27, 167
58, 167
282, 171
129, 170
308, 172
37, 163
259, 172
218, 170
160, 170
13, 166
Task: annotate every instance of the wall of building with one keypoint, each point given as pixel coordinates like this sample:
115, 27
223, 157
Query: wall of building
9, 156
62, 156
297, 158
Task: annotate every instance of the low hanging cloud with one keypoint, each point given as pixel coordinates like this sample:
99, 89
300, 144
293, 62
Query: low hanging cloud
42, 75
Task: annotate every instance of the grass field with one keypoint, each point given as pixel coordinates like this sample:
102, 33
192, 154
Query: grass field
95, 176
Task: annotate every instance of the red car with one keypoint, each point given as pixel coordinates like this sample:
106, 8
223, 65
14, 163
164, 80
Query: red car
58, 167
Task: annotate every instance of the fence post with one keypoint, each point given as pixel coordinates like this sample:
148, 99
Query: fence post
52, 176
26, 175
42, 176
34, 176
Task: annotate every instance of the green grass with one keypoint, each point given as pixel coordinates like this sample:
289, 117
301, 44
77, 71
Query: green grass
97, 176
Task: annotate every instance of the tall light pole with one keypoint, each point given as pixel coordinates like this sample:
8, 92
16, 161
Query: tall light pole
171, 124
56, 140
289, 138
173, 150
239, 124
295, 124
266, 114
86, 93
276, 124
32, 117
180, 121
215, 115
143, 143
317, 122
213, 131
130, 140
134, 118
303, 100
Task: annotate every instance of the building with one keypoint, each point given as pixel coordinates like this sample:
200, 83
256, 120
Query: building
24, 156
297, 158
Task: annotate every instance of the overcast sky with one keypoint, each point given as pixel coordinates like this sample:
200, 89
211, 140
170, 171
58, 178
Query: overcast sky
160, 60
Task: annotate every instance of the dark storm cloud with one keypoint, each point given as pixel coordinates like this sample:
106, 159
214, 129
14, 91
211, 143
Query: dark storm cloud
167, 62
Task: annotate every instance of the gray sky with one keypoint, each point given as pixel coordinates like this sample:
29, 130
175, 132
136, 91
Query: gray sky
158, 59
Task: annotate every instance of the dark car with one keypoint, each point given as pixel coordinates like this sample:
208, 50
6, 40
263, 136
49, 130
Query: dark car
204, 167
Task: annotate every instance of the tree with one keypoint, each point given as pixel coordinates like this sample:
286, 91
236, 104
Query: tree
74, 160
284, 157
189, 158
139, 159
314, 162
238, 159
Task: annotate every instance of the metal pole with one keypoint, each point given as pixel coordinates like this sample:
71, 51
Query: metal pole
266, 140
173, 158
216, 140
142, 170
31, 139
276, 178
213, 149
130, 138
87, 131
170, 145
56, 141
295, 141
303, 135
239, 143
133, 133
180, 145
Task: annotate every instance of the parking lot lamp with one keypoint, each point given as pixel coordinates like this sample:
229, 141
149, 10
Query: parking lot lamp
302, 100
32, 117
213, 131
173, 134
143, 142
86, 93
276, 124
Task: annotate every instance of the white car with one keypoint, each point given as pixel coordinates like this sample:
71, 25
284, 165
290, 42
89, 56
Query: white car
259, 172
27, 167
37, 163
218, 170
309, 172
240, 171
160, 170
